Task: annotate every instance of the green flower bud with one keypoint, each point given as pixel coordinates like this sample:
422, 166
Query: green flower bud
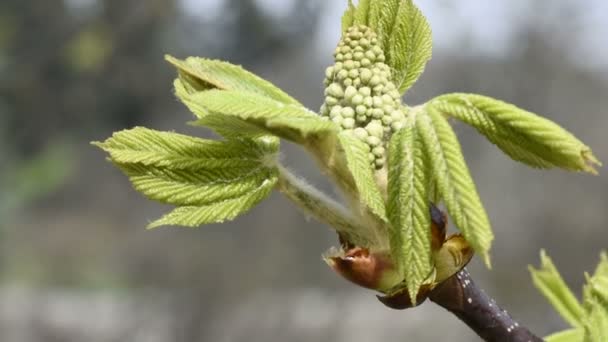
335, 111
374, 128
360, 109
357, 100
347, 112
377, 101
375, 80
334, 90
373, 141
331, 101
365, 91
397, 125
361, 133
350, 92
348, 123
377, 113
378, 151
360, 96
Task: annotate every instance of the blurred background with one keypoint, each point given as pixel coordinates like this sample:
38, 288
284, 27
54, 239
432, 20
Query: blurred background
76, 263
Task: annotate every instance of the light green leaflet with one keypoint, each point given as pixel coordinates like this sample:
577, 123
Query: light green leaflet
454, 182
356, 152
408, 206
291, 122
210, 181
404, 35
548, 280
570, 335
217, 212
589, 319
181, 152
222, 75
524, 136
188, 188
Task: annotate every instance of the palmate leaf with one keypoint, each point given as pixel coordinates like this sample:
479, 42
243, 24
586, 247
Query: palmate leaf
195, 188
180, 152
225, 76
454, 182
217, 212
210, 181
549, 282
229, 127
290, 122
356, 153
524, 136
408, 206
403, 32
410, 45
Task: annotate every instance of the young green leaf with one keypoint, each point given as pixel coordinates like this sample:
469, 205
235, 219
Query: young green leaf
549, 282
409, 46
194, 187
226, 76
524, 136
382, 18
179, 152
348, 18
596, 323
357, 160
362, 12
291, 122
408, 207
217, 212
602, 267
229, 127
454, 181
570, 335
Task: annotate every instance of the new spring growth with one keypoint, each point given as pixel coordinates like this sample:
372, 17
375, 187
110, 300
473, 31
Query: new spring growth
360, 96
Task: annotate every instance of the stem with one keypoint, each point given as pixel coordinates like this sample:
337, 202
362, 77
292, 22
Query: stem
462, 297
324, 209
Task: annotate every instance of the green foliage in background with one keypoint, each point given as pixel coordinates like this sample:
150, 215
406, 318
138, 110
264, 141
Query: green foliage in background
589, 317
390, 160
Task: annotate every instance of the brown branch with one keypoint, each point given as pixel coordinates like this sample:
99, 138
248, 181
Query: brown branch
462, 297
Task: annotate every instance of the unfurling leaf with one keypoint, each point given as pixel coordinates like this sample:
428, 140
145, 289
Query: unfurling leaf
357, 160
292, 122
403, 32
225, 76
595, 303
209, 181
348, 18
589, 320
180, 152
410, 45
523, 136
217, 212
362, 12
454, 182
570, 335
408, 207
195, 187
382, 18
549, 282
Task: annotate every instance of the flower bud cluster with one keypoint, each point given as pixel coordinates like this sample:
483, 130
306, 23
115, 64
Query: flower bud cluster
359, 93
